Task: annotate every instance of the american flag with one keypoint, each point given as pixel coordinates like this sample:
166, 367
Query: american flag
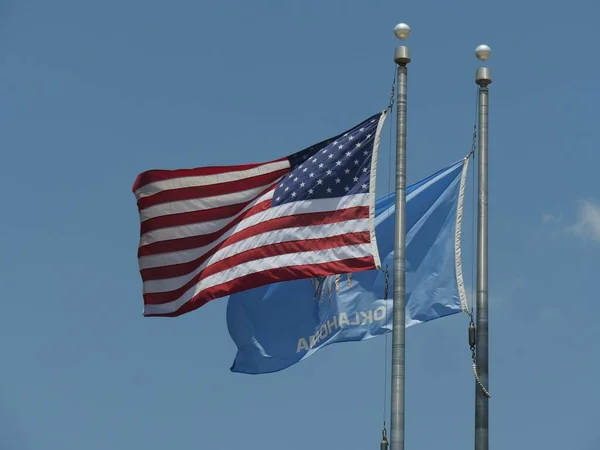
210, 232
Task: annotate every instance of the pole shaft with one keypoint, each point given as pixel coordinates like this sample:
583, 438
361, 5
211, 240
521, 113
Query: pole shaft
482, 355
399, 315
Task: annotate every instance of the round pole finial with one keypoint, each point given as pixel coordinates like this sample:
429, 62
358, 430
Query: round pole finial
483, 53
402, 31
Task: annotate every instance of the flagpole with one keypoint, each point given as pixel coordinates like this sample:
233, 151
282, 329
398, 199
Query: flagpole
483, 78
401, 58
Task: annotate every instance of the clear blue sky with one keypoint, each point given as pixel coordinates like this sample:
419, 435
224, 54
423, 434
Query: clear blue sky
92, 93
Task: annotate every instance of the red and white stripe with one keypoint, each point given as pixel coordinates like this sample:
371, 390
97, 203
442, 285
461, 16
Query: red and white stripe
210, 232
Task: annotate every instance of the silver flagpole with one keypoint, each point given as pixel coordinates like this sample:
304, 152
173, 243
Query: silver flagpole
483, 78
401, 58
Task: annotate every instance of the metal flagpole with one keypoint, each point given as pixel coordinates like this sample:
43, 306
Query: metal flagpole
483, 78
401, 58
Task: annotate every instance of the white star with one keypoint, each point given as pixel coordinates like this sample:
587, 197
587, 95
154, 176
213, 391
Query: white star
302, 184
300, 166
324, 151
293, 194
364, 186
338, 163
286, 189
330, 155
329, 190
314, 160
341, 146
351, 138
356, 162
362, 129
310, 191
346, 135
291, 175
295, 179
369, 136
281, 185
319, 181
346, 188
347, 171
277, 199
366, 152
348, 153
329, 172
337, 180
311, 174
321, 165
372, 120
355, 179
305, 169
358, 144
365, 169
335, 143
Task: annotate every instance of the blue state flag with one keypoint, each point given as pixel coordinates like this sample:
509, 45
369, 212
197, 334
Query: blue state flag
278, 325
